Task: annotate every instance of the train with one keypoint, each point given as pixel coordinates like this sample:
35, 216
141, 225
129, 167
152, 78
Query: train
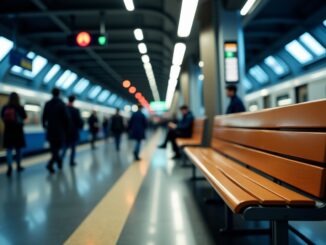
308, 87
33, 102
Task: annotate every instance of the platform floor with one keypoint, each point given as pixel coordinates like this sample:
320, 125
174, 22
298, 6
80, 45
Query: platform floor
109, 199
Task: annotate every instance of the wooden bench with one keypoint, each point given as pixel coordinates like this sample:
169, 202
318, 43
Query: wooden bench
197, 134
269, 165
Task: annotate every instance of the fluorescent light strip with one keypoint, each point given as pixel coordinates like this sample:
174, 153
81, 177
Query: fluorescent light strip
145, 59
63, 78
5, 46
129, 4
187, 15
142, 48
247, 7
69, 81
175, 72
54, 70
139, 34
178, 53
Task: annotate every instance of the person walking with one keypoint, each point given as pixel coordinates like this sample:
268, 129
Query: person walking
73, 135
137, 127
56, 122
13, 116
236, 105
117, 128
93, 128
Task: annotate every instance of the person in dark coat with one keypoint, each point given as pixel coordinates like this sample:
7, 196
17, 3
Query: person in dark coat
73, 135
236, 105
183, 129
117, 128
105, 127
93, 128
13, 116
56, 122
137, 127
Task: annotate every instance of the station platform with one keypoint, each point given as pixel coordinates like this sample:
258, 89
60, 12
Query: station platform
109, 199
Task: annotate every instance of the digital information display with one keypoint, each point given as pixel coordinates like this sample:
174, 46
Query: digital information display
231, 62
18, 58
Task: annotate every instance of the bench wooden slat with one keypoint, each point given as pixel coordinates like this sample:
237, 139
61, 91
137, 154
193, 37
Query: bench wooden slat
197, 134
264, 196
188, 141
303, 176
234, 196
291, 197
283, 142
305, 115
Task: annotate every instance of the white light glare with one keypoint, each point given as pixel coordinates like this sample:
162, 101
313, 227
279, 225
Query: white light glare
129, 5
145, 59
247, 7
139, 34
201, 77
187, 15
175, 72
178, 54
201, 64
142, 48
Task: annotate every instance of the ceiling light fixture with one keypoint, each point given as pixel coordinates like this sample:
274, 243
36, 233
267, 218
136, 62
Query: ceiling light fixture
178, 53
142, 48
139, 34
129, 5
187, 15
145, 59
247, 7
175, 72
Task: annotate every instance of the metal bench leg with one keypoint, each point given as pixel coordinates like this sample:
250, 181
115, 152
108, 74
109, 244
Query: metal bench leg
228, 220
280, 232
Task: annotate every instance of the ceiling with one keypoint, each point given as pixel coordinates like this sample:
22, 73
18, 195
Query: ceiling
47, 23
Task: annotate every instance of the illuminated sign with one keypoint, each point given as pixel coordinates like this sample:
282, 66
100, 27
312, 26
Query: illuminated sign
158, 106
231, 62
18, 58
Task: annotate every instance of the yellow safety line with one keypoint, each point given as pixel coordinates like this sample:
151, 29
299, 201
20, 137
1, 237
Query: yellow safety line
105, 223
31, 161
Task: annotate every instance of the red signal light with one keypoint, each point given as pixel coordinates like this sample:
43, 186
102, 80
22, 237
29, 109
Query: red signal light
83, 39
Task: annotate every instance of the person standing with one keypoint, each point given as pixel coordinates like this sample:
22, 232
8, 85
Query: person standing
73, 135
13, 116
93, 128
117, 128
236, 105
56, 122
183, 129
137, 127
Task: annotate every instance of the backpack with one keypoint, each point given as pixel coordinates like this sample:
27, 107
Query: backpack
9, 115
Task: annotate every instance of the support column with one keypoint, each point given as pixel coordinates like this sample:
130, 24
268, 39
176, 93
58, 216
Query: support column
218, 26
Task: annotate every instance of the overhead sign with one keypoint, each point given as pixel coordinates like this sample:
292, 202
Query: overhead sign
158, 106
18, 58
231, 62
86, 39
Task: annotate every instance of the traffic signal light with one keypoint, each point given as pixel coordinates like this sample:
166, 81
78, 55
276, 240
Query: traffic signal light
85, 39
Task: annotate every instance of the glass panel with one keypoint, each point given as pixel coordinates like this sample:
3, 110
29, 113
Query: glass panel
62, 78
258, 73
298, 52
104, 96
69, 81
278, 67
112, 99
54, 70
312, 44
5, 46
81, 86
283, 100
94, 92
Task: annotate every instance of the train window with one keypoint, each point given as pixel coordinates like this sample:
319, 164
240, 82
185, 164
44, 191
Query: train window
5, 46
267, 101
103, 96
301, 54
279, 67
283, 100
301, 94
38, 64
253, 106
54, 70
94, 92
33, 114
259, 74
312, 44
112, 99
81, 86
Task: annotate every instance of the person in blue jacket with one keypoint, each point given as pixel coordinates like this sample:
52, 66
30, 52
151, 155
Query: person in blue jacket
137, 127
183, 129
236, 105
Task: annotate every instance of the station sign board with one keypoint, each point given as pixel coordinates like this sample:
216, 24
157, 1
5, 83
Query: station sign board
231, 62
18, 58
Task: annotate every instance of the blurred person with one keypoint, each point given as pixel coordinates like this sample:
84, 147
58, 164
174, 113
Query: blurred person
56, 122
105, 127
93, 128
13, 116
117, 128
182, 129
73, 134
137, 127
236, 105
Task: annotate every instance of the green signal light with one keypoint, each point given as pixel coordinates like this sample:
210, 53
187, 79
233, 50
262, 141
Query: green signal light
102, 40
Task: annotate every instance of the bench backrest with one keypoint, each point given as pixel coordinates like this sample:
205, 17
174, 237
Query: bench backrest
286, 143
198, 128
